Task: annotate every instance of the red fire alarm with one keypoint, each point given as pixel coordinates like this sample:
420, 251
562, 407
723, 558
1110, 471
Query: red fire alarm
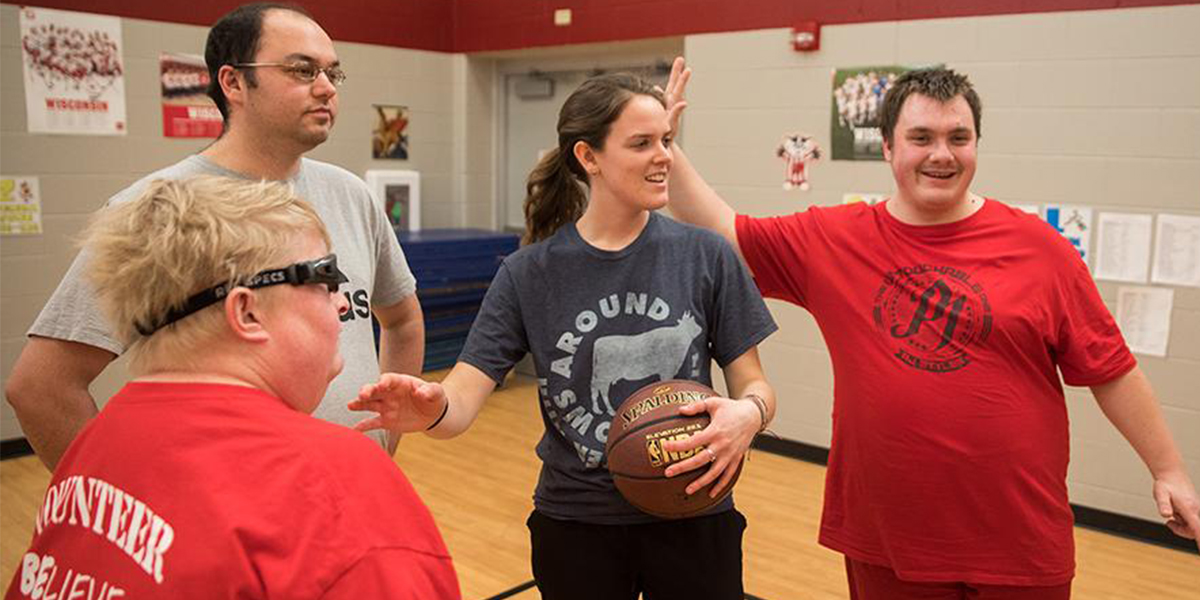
806, 37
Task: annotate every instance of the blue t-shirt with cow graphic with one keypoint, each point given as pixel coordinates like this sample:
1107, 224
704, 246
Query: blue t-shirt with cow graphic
602, 324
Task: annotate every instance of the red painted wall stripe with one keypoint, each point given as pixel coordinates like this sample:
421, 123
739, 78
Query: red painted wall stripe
482, 25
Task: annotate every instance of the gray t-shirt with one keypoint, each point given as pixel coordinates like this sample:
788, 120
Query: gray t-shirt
367, 252
602, 324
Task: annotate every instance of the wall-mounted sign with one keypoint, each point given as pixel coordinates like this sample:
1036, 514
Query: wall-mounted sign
20, 206
187, 110
74, 75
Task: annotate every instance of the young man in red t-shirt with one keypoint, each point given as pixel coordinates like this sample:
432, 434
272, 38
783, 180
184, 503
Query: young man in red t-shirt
948, 317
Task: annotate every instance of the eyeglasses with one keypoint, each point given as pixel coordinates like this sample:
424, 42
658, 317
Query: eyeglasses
303, 71
323, 270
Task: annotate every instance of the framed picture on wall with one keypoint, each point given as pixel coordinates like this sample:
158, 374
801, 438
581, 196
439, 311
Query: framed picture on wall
400, 194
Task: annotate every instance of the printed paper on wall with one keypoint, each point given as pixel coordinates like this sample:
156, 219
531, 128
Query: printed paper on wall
1177, 251
1144, 316
74, 75
20, 206
1123, 247
1075, 224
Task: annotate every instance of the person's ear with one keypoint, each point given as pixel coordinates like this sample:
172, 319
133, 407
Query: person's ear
586, 157
243, 315
887, 150
233, 84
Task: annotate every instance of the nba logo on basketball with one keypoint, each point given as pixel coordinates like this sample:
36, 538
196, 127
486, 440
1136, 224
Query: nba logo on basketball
659, 457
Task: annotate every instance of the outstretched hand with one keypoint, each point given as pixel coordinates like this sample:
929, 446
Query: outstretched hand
1178, 504
723, 443
674, 94
403, 403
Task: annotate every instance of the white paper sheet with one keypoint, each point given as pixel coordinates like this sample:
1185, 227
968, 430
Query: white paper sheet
1177, 251
1144, 316
1123, 247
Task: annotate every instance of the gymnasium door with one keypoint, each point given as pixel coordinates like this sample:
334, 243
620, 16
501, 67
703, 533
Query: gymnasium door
531, 115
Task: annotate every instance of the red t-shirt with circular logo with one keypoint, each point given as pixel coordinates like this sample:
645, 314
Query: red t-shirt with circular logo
950, 436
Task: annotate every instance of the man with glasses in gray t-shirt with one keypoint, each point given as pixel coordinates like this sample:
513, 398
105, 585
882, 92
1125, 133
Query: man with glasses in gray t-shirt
274, 76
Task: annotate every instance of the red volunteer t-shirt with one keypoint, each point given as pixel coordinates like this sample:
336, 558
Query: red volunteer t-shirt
950, 438
219, 491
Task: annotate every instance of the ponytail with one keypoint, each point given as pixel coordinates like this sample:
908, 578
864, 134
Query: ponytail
553, 197
554, 193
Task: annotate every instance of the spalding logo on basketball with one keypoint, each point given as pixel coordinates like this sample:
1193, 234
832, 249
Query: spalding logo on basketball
646, 420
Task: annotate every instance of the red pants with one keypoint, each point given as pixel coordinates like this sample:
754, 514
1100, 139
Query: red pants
873, 582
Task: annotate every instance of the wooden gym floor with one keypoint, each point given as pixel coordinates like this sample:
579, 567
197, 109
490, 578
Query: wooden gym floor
479, 487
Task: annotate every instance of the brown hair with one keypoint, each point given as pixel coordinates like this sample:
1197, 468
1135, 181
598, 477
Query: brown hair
553, 194
234, 39
939, 83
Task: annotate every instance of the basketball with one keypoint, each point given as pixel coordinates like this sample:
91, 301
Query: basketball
636, 459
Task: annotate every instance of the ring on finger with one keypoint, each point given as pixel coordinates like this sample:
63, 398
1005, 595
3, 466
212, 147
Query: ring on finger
712, 456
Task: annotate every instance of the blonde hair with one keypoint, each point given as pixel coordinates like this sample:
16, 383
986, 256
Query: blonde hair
180, 237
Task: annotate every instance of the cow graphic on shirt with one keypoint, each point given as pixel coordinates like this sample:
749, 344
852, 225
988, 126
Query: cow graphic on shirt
661, 351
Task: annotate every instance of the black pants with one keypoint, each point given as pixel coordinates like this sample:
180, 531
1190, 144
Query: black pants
698, 559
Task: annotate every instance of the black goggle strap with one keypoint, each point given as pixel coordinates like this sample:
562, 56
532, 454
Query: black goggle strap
323, 270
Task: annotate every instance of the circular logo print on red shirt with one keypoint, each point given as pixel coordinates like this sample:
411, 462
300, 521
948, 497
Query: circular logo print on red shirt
932, 316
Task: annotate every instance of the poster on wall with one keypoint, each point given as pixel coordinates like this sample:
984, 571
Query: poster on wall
187, 111
20, 206
389, 137
1075, 224
857, 104
74, 75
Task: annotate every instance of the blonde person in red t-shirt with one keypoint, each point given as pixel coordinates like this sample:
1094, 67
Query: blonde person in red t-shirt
948, 317
206, 476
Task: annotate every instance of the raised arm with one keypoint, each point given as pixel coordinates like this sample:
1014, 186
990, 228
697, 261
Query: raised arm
692, 200
48, 390
1129, 403
406, 404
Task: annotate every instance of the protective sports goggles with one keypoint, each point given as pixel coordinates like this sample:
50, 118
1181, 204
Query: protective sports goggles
323, 270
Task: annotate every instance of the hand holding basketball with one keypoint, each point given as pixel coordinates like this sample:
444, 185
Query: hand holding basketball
734, 425
403, 403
